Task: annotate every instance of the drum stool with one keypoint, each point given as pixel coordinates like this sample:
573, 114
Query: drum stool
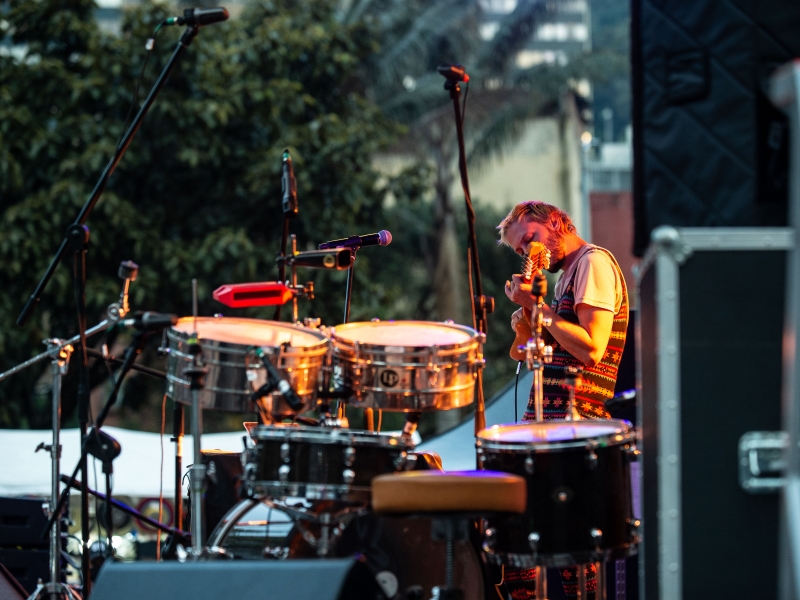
451, 500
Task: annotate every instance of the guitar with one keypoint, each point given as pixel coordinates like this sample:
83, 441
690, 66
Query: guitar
536, 259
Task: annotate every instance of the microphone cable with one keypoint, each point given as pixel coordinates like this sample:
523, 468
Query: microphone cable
516, 384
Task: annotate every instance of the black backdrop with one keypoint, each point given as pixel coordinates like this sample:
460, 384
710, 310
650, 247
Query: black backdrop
709, 148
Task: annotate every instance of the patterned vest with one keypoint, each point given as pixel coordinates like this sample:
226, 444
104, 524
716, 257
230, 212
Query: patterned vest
599, 380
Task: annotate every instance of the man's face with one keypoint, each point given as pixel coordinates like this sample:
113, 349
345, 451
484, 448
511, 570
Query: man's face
520, 234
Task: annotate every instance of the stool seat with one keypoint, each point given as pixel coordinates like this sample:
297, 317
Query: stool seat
449, 492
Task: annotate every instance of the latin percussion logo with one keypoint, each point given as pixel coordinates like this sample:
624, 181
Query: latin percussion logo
389, 378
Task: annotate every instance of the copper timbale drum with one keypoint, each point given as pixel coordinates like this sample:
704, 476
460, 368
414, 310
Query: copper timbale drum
233, 370
407, 365
580, 507
320, 463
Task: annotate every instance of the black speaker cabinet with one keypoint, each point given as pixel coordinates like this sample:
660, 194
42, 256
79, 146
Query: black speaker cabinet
709, 334
22, 522
244, 580
27, 566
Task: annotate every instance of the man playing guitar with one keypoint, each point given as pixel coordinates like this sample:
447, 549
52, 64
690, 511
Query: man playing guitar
589, 314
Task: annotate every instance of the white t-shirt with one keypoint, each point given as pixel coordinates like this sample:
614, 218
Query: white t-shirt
598, 282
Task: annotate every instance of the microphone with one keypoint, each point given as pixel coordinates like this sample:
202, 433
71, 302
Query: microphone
149, 321
453, 72
198, 17
338, 259
275, 377
289, 186
382, 238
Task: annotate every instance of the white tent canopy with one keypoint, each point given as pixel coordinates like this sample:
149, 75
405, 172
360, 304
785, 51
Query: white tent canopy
138, 469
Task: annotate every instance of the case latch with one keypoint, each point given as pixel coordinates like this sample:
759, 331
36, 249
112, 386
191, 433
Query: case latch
762, 461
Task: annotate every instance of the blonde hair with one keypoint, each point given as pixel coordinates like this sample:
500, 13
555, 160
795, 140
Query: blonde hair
539, 212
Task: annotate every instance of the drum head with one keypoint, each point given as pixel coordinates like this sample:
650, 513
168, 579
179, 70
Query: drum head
555, 432
405, 334
249, 332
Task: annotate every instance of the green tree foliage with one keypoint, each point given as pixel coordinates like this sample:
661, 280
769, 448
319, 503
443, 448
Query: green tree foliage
198, 192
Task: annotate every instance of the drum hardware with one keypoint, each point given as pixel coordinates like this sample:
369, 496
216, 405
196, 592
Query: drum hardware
537, 353
196, 374
59, 352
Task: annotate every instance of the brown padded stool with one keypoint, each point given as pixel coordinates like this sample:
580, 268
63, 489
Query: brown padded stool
452, 499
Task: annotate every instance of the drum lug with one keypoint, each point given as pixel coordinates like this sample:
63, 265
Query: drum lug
433, 368
633, 528
529, 466
489, 540
349, 456
591, 459
285, 452
633, 452
597, 536
533, 541
481, 458
283, 473
400, 461
348, 475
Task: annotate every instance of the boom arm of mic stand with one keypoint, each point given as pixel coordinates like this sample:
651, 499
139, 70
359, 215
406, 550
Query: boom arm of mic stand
186, 39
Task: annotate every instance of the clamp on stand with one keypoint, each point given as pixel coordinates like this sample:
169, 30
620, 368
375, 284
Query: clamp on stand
537, 353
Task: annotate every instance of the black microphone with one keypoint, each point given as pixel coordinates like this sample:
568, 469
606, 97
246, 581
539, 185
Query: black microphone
453, 72
199, 17
149, 321
382, 238
288, 186
275, 377
338, 259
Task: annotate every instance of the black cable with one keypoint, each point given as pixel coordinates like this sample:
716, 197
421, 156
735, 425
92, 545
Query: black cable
149, 45
464, 104
516, 383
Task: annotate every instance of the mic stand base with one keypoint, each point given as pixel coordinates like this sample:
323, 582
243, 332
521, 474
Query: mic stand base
51, 591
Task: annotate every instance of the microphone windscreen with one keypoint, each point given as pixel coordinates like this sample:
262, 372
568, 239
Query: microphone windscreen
385, 237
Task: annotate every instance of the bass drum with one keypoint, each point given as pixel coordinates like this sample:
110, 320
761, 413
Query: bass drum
406, 562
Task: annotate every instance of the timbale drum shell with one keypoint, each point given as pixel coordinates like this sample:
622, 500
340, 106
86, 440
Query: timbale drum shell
576, 488
407, 365
227, 344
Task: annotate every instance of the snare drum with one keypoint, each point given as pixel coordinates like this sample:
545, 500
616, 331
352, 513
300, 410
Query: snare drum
320, 463
580, 507
408, 365
234, 372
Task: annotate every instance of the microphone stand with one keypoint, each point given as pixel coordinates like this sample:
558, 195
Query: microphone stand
290, 210
480, 305
87, 441
184, 42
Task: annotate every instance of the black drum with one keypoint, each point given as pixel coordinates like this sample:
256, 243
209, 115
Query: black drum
320, 463
580, 507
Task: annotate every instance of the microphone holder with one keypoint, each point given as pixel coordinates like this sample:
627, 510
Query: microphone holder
480, 305
348, 293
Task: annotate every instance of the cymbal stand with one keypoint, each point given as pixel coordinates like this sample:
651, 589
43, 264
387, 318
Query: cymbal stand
537, 352
196, 374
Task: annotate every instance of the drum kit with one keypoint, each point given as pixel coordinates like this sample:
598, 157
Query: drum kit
307, 478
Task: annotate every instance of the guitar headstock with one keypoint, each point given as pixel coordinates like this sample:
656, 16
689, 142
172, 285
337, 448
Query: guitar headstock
537, 258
